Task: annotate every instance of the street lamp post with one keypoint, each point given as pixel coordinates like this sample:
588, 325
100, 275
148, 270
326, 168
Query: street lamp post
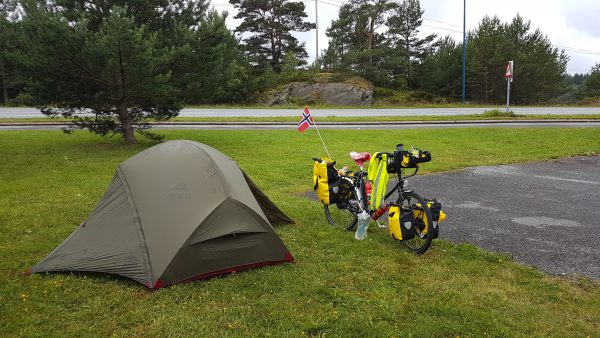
317, 30
464, 67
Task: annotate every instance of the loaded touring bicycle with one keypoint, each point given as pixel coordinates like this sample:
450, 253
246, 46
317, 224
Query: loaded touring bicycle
349, 197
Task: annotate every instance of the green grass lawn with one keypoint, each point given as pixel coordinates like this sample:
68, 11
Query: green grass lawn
49, 182
295, 119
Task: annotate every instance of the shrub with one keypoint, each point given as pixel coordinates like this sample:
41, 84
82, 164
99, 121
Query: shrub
499, 113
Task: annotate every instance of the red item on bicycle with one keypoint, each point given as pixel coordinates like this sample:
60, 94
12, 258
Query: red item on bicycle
379, 212
360, 158
368, 190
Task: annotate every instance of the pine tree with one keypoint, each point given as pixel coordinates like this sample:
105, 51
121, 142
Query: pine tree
269, 24
165, 16
341, 39
355, 43
119, 72
403, 24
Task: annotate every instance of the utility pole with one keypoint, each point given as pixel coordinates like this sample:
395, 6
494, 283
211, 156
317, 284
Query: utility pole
317, 29
464, 68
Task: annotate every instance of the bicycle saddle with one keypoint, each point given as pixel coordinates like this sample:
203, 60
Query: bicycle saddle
360, 158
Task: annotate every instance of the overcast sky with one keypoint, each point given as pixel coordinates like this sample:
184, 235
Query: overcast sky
573, 25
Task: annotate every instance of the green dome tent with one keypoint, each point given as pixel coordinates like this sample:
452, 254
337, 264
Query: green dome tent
178, 211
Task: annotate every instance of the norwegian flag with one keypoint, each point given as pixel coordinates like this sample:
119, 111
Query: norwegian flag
306, 121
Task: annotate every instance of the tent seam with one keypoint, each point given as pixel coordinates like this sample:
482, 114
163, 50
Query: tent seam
214, 163
141, 235
226, 188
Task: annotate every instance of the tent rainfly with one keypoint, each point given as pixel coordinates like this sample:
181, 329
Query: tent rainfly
178, 211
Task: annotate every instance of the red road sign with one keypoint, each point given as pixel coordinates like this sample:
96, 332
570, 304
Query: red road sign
509, 73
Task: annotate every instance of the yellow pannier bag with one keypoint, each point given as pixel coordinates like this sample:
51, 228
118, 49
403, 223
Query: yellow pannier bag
401, 223
436, 213
326, 180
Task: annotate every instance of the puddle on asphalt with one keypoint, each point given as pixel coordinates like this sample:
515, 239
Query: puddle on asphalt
495, 171
540, 222
475, 205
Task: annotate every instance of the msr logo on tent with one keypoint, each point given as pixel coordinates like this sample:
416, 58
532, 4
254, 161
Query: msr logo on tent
180, 192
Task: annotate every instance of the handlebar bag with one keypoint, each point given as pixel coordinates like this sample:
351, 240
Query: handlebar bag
326, 181
411, 159
407, 159
401, 223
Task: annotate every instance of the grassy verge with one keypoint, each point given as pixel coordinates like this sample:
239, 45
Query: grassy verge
295, 119
49, 182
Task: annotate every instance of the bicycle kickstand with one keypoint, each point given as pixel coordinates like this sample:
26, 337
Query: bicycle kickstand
381, 225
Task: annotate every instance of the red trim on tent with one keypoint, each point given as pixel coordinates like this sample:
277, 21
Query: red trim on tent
288, 258
158, 284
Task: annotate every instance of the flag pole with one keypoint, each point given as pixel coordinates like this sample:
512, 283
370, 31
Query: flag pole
322, 140
317, 128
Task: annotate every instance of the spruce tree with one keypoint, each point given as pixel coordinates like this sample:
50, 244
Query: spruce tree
591, 85
213, 69
440, 72
540, 68
9, 36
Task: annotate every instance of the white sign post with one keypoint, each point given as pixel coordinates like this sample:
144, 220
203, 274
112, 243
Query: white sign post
509, 78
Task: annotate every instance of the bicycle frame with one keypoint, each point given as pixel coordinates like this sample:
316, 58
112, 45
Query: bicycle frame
358, 182
400, 185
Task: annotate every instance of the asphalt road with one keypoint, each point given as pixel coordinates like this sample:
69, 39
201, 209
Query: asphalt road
545, 214
196, 112
357, 126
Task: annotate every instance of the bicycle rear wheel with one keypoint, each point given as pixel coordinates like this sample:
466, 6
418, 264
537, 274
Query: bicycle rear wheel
422, 240
343, 214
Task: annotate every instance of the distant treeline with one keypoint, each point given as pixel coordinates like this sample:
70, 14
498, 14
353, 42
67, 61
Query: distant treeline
158, 55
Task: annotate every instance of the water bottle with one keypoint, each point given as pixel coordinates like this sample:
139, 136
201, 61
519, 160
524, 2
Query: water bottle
379, 212
363, 225
368, 190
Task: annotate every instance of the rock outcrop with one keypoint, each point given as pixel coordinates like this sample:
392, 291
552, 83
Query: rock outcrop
335, 93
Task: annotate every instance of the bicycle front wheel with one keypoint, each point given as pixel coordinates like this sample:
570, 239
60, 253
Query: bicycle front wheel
343, 214
422, 222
